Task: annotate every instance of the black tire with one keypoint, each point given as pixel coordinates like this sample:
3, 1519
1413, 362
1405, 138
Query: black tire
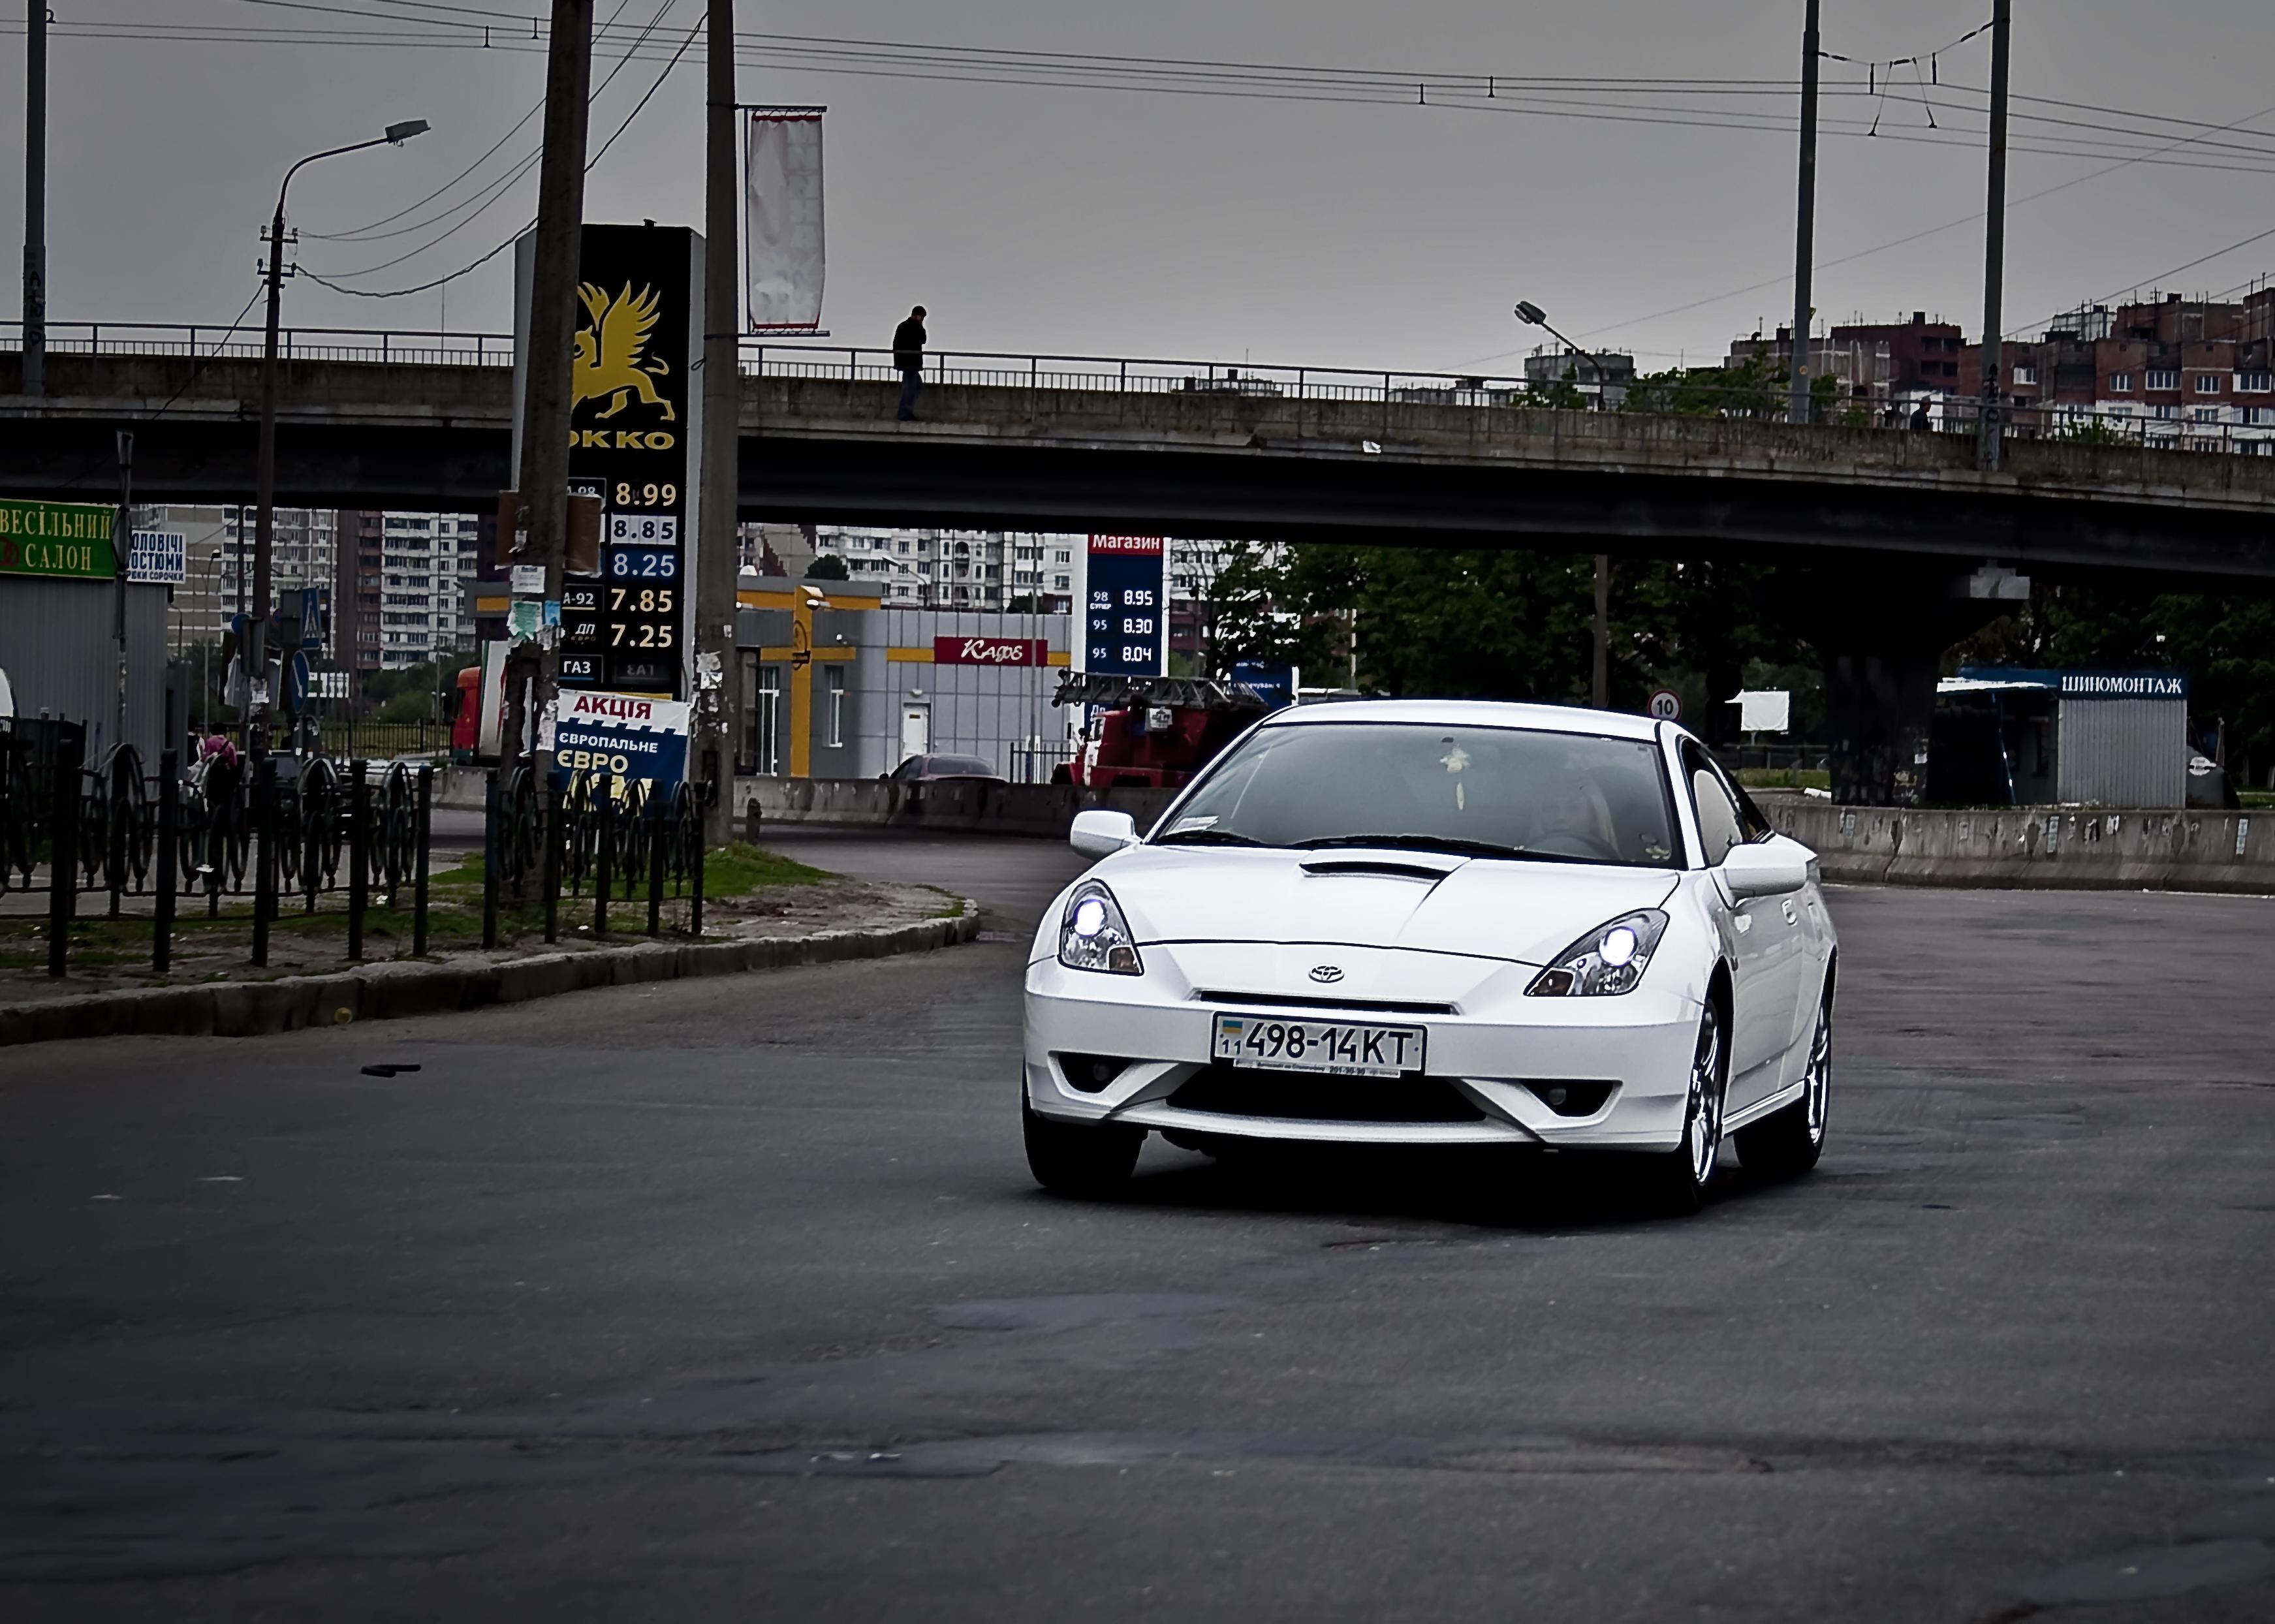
1786, 1145
1675, 1183
1086, 1160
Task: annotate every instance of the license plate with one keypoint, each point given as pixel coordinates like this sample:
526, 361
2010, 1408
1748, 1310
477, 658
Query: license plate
1347, 1048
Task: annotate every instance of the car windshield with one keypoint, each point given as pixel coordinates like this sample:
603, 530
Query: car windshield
961, 767
1576, 797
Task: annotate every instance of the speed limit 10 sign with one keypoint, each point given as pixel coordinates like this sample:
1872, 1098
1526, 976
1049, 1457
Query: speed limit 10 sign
1667, 706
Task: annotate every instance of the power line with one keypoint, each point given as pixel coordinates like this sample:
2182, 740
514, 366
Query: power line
481, 202
1287, 82
1899, 242
427, 287
372, 231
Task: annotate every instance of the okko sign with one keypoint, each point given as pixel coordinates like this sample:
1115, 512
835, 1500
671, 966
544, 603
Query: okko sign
623, 736
635, 430
1124, 615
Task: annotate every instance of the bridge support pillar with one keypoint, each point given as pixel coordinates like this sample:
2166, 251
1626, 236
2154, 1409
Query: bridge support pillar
1881, 634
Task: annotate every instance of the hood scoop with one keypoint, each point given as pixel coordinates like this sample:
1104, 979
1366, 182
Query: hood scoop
1388, 867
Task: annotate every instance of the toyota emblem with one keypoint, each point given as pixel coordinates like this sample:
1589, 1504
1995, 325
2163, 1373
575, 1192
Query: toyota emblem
1326, 972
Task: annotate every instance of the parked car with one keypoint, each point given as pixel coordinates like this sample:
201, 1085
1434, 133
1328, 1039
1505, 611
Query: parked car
1438, 923
943, 769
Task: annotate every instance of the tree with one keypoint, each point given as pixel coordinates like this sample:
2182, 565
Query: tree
829, 567
1759, 386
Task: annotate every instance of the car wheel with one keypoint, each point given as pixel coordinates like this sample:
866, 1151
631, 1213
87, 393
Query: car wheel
1788, 1144
1677, 1179
1079, 1158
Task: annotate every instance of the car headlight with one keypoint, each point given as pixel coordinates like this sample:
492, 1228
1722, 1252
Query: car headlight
1094, 935
1608, 960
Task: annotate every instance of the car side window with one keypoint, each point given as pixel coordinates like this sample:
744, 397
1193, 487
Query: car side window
1721, 824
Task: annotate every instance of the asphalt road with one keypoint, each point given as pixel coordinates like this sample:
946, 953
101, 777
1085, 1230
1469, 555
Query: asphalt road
732, 1298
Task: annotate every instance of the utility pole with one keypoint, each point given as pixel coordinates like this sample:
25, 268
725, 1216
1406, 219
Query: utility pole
1600, 680
122, 546
716, 554
1804, 235
1994, 246
35, 197
1600, 684
254, 648
534, 676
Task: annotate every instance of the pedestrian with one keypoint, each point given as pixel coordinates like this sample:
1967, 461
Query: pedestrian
1920, 420
908, 355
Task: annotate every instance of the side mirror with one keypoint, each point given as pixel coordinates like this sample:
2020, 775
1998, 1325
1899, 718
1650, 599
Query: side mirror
1100, 833
1773, 868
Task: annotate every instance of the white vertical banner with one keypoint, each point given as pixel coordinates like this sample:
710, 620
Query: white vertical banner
783, 251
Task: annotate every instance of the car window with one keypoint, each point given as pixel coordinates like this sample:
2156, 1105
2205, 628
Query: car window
1721, 824
1574, 797
965, 767
909, 768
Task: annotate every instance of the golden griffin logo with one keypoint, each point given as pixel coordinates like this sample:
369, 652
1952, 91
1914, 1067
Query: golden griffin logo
612, 362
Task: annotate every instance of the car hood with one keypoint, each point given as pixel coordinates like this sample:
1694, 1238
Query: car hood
1429, 902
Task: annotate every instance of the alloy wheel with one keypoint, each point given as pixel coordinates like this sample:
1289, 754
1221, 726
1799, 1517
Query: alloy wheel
1819, 1093
1704, 1129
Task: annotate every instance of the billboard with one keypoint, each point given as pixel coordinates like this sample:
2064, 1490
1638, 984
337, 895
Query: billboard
160, 556
627, 737
782, 220
633, 440
1125, 629
57, 538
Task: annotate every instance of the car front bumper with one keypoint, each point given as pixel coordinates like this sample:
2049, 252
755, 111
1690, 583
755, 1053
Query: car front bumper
1495, 1048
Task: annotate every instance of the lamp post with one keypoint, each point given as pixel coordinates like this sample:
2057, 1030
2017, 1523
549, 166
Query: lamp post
255, 651
1599, 667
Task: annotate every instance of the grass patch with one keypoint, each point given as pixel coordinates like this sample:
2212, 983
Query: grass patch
741, 868
1784, 778
2256, 800
728, 871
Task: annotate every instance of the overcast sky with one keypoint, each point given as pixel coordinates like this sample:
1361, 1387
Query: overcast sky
1099, 222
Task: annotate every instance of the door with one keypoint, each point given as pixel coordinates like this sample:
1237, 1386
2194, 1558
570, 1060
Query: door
916, 729
1768, 943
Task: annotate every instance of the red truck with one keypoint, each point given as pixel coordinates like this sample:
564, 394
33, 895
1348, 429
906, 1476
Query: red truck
1155, 731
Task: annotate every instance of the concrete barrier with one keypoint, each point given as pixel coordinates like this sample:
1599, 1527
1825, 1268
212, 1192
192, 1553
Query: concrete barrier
1046, 810
2059, 847
2074, 848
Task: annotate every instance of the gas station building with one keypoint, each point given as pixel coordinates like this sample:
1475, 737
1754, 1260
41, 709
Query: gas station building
837, 683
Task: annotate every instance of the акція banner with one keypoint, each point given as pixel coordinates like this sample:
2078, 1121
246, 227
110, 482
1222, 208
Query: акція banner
782, 201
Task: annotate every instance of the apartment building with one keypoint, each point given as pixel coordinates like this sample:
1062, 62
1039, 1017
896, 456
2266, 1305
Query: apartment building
218, 567
1923, 357
956, 568
2192, 375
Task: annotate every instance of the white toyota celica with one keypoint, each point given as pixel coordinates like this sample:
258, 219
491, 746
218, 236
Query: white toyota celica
1438, 923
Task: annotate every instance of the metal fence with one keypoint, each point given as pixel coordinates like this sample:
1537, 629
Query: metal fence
291, 832
594, 841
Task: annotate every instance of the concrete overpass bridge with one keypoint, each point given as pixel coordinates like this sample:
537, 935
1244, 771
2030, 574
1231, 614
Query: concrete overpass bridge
1883, 536
373, 420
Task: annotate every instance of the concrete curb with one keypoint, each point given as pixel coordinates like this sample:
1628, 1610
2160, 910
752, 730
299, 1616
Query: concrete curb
392, 992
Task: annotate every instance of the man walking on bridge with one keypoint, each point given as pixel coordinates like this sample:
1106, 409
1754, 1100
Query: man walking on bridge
908, 355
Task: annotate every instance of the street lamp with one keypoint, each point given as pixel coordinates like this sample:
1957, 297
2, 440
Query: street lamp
1599, 673
255, 651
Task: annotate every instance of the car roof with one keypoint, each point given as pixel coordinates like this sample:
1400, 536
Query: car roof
1470, 713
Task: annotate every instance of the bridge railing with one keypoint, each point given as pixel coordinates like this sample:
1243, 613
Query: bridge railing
2245, 429
412, 346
